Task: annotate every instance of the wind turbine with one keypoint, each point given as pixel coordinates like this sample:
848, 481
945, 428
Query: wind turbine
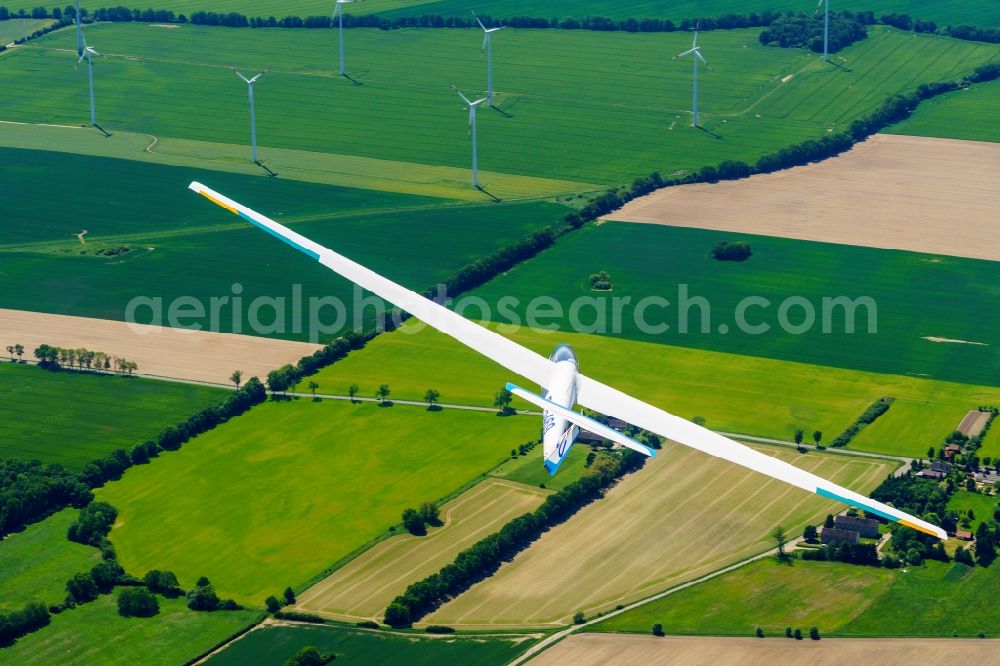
86, 53
253, 120
338, 13
695, 53
488, 50
826, 28
472, 132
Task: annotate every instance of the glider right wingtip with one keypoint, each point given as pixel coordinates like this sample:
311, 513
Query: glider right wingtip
195, 186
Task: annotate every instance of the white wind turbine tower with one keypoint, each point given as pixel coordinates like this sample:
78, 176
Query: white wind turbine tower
338, 14
488, 50
472, 132
86, 53
826, 28
695, 53
253, 120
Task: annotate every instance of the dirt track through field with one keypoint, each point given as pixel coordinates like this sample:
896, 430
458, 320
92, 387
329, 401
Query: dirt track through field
609, 649
939, 196
159, 351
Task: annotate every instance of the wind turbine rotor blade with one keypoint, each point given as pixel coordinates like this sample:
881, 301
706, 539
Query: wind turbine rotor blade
478, 21
700, 56
464, 98
486, 40
688, 52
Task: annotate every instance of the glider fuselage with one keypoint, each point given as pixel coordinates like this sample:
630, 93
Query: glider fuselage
558, 434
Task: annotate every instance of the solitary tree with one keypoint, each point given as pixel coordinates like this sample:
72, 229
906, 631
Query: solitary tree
312, 387
236, 378
272, 603
799, 434
579, 617
788, 632
780, 539
137, 602
19, 350
809, 533
502, 400
429, 513
431, 397
817, 436
829, 521
414, 522
798, 634
289, 596
930, 453
759, 633
814, 633
10, 350
382, 393
352, 391
658, 629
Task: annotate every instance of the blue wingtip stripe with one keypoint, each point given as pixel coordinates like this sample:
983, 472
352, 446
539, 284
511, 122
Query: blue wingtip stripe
274, 233
835, 496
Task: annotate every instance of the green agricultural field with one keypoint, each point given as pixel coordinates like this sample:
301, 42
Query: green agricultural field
934, 600
165, 83
734, 393
916, 296
277, 496
764, 594
991, 443
72, 418
95, 633
963, 114
912, 426
982, 506
979, 12
272, 645
528, 469
36, 563
17, 28
184, 246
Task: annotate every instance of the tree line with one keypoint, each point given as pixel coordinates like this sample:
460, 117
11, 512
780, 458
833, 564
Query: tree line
481, 560
729, 21
55, 358
874, 410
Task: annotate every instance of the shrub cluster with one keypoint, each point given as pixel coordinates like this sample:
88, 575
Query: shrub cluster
137, 602
483, 558
802, 31
295, 616
731, 251
93, 525
15, 624
31, 490
875, 410
480, 272
853, 553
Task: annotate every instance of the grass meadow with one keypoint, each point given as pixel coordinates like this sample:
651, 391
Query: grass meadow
363, 587
36, 563
734, 393
842, 600
185, 246
277, 496
982, 506
17, 28
164, 82
962, 114
763, 594
683, 515
991, 443
95, 633
72, 418
272, 645
916, 296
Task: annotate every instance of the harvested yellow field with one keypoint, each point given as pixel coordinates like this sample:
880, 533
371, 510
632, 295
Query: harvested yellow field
938, 196
609, 649
159, 351
684, 515
363, 588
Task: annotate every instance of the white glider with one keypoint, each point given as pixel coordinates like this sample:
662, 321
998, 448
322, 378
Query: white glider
566, 387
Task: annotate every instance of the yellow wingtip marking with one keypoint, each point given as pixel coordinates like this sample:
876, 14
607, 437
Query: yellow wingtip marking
918, 528
218, 203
